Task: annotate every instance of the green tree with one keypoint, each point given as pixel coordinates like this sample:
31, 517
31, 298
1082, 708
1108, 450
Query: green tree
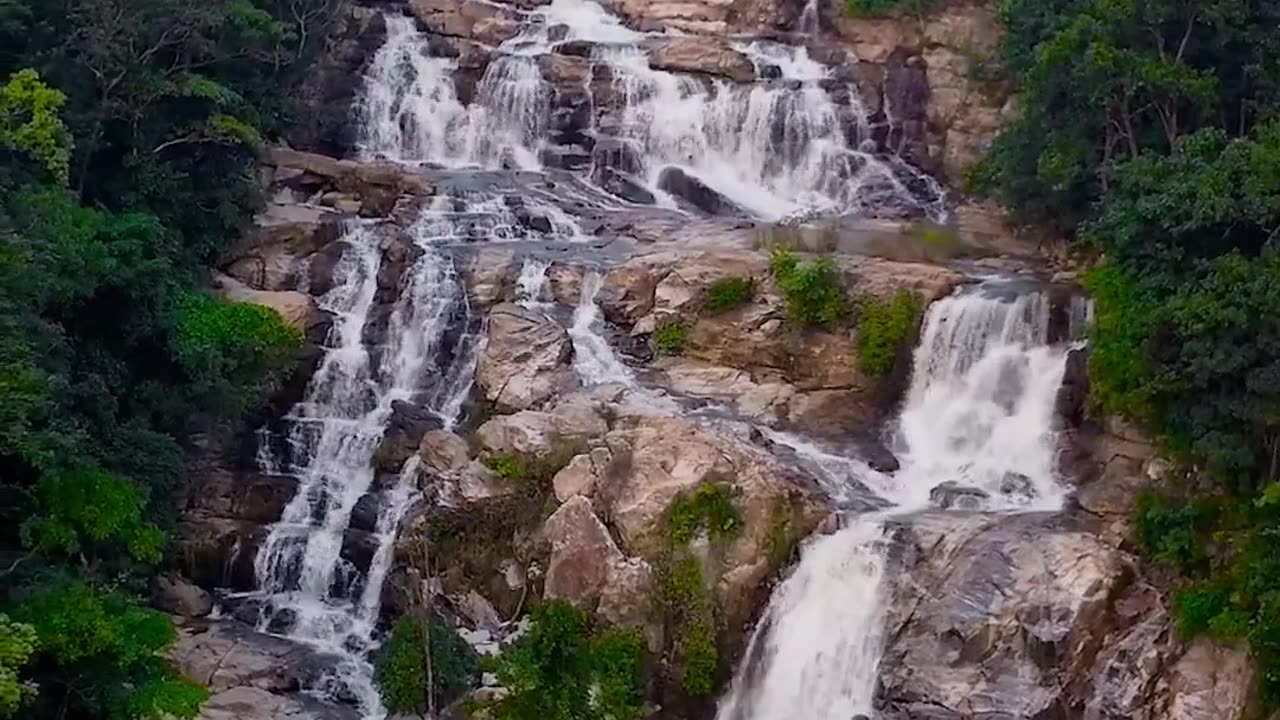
30, 124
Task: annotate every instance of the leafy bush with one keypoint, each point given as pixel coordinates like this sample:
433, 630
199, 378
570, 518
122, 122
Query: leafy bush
884, 329
669, 338
812, 291
559, 671
883, 7
710, 507
18, 643
402, 675
691, 611
728, 293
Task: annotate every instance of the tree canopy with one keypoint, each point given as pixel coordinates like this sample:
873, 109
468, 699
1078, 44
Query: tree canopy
128, 136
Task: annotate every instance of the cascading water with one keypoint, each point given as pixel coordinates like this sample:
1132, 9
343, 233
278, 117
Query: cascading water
800, 142
309, 592
979, 413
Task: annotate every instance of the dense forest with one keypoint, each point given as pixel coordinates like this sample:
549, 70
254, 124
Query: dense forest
128, 131
1149, 132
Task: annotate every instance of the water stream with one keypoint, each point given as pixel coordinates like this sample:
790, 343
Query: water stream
979, 415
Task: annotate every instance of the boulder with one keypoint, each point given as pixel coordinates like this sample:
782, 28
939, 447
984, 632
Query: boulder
586, 566
582, 473
696, 193
532, 433
991, 612
702, 55
1208, 682
488, 23
952, 495
527, 359
296, 309
443, 451
658, 458
405, 429
176, 595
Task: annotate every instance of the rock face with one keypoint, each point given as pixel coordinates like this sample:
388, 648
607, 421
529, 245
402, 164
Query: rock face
526, 360
252, 676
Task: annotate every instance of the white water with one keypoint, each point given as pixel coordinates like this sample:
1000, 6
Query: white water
980, 406
772, 148
309, 591
593, 359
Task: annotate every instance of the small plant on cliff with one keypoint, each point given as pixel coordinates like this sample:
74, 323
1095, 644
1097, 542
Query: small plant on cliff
709, 507
559, 670
691, 611
401, 672
728, 293
812, 290
864, 8
669, 338
884, 328
508, 466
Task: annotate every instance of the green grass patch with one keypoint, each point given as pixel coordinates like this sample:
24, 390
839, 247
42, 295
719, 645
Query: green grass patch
728, 293
885, 328
669, 338
812, 291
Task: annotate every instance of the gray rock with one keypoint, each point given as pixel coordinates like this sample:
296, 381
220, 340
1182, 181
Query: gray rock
951, 494
696, 193
179, 596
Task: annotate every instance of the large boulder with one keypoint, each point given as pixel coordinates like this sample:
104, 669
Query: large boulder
526, 360
656, 459
994, 613
176, 595
585, 564
696, 192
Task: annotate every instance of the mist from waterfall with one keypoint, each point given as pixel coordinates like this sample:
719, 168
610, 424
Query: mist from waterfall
979, 413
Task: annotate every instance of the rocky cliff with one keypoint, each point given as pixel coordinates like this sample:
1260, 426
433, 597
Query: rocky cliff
581, 432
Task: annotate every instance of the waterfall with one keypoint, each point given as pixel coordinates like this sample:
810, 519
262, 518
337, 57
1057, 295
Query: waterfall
310, 592
978, 415
799, 142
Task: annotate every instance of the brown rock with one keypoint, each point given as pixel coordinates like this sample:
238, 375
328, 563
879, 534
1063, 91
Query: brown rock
699, 55
526, 360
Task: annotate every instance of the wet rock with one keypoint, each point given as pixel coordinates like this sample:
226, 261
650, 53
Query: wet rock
878, 457
405, 428
358, 548
526, 360
1017, 484
696, 193
1072, 399
708, 56
624, 187
176, 595
951, 494
364, 514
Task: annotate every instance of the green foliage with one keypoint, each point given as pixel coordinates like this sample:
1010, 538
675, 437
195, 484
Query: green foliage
402, 675
885, 327
1147, 130
507, 466
87, 509
18, 643
778, 541
560, 671
709, 507
112, 650
812, 291
669, 338
728, 293
30, 124
886, 7
691, 611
